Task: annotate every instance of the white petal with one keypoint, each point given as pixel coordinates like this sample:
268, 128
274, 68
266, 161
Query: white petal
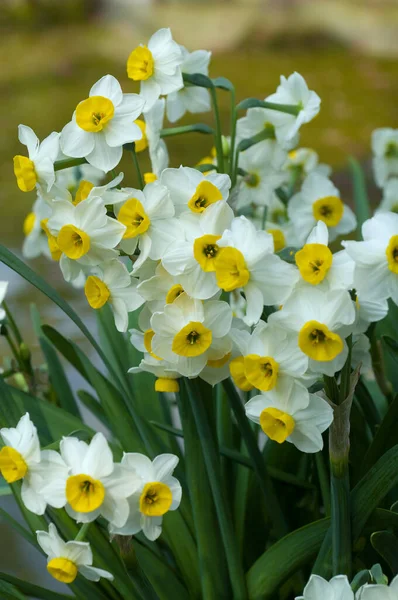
98, 461
108, 87
75, 141
104, 157
27, 136
164, 465
94, 574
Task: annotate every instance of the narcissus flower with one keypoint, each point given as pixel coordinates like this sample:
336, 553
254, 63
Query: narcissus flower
338, 588
65, 560
290, 413
189, 333
149, 224
319, 267
193, 192
39, 167
385, 154
157, 67
389, 201
319, 200
378, 591
321, 319
84, 233
166, 375
246, 261
190, 99
292, 90
158, 493
36, 242
22, 459
95, 485
306, 160
102, 123
376, 258
111, 283
162, 288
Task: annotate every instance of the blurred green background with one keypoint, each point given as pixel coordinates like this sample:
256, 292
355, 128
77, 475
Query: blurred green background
52, 51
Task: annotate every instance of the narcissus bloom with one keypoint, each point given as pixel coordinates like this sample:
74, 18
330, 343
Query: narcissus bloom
162, 288
338, 588
290, 413
306, 161
385, 154
191, 98
193, 192
95, 485
39, 167
102, 123
111, 283
389, 201
65, 560
378, 592
189, 333
22, 459
322, 320
149, 224
166, 375
376, 258
246, 261
319, 200
319, 267
36, 242
84, 233
292, 90
158, 493
157, 67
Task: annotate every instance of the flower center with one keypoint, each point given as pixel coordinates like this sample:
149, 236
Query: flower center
192, 340
252, 180
314, 262
141, 144
148, 336
140, 64
261, 371
56, 253
206, 193
94, 112
231, 269
62, 569
12, 464
392, 254
97, 292
29, 223
173, 293
279, 239
73, 242
166, 384
329, 210
276, 424
84, 493
24, 170
134, 217
238, 374
156, 499
82, 191
318, 342
391, 150
205, 250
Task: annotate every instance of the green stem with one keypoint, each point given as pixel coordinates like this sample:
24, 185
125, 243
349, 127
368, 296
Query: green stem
12, 324
234, 117
341, 517
264, 217
136, 165
82, 532
13, 348
212, 463
69, 162
266, 485
379, 370
198, 128
323, 481
218, 133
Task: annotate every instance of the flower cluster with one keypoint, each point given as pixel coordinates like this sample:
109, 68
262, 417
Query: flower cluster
338, 588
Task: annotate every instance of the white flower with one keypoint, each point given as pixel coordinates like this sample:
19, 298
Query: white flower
290, 413
263, 164
112, 283
269, 355
21, 458
338, 588
389, 202
158, 493
360, 354
94, 486
367, 312
102, 123
160, 289
292, 90
246, 260
36, 241
319, 267
166, 375
376, 258
307, 161
192, 262
148, 216
39, 167
66, 559
257, 121
85, 235
378, 591
190, 98
320, 319
72, 181
189, 333
109, 193
319, 200
193, 192
3, 291
157, 66
385, 154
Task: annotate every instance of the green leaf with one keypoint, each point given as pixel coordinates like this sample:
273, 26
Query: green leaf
223, 84
386, 544
284, 558
20, 529
10, 592
33, 590
288, 254
206, 167
361, 200
247, 143
385, 438
198, 79
195, 128
291, 109
93, 406
360, 579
